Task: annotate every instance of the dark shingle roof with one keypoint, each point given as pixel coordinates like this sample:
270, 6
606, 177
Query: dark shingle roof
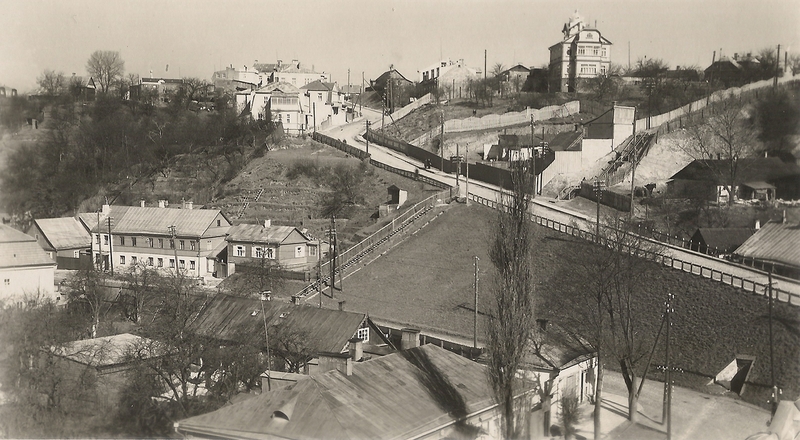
774, 242
747, 170
566, 141
402, 395
229, 318
723, 238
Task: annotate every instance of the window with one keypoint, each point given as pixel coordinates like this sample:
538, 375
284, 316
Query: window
150, 261
208, 245
183, 264
319, 96
97, 238
172, 263
7, 281
239, 251
312, 250
134, 260
36, 236
150, 242
182, 245
133, 241
160, 262
172, 244
605, 53
121, 240
288, 118
50, 255
596, 51
258, 252
270, 253
191, 265
191, 245
581, 50
122, 259
219, 222
299, 251
161, 243
105, 239
76, 254
363, 334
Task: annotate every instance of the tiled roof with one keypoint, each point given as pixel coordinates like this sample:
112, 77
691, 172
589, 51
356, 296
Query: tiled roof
402, 395
775, 243
104, 351
230, 318
64, 233
156, 221
747, 170
20, 250
260, 234
316, 86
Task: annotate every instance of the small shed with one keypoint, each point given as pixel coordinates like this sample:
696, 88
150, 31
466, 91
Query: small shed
719, 240
397, 196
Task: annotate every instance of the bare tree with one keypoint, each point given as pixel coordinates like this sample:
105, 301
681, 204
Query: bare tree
508, 329
292, 347
105, 66
52, 83
141, 285
726, 136
88, 287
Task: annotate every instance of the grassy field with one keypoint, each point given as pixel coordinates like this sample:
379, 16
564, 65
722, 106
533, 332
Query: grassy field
427, 282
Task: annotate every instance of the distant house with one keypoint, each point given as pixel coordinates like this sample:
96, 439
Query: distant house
65, 240
323, 105
99, 366
775, 246
760, 178
27, 274
718, 241
514, 78
293, 73
397, 196
421, 393
83, 89
393, 88
280, 99
582, 54
152, 236
286, 246
159, 90
732, 71
228, 319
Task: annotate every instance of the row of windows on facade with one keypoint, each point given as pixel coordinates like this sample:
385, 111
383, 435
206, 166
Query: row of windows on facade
159, 262
592, 68
594, 51
261, 252
150, 242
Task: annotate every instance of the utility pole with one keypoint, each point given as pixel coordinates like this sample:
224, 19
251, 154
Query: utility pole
367, 136
361, 92
319, 273
333, 251
777, 67
266, 337
314, 112
466, 159
667, 416
110, 247
484, 63
771, 350
174, 234
475, 321
598, 193
441, 144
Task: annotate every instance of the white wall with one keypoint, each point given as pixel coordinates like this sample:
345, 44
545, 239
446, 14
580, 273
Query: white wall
594, 149
20, 284
566, 162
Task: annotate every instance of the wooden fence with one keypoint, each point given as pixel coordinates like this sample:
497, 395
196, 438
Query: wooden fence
339, 145
745, 284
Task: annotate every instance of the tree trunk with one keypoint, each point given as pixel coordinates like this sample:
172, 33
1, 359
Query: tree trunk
598, 399
633, 402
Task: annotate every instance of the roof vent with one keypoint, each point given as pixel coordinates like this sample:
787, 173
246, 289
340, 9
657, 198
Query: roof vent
280, 415
254, 312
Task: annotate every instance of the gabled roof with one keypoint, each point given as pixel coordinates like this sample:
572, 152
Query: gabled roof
64, 233
231, 318
157, 221
87, 219
554, 348
723, 238
517, 68
747, 170
105, 351
279, 87
390, 73
317, 86
20, 250
774, 243
401, 395
261, 234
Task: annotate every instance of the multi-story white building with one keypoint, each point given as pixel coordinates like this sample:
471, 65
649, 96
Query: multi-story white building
26, 272
298, 76
156, 236
583, 54
323, 104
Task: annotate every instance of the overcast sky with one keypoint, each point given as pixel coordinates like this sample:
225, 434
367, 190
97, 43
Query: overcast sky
195, 37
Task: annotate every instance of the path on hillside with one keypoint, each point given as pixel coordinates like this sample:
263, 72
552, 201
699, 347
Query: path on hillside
750, 279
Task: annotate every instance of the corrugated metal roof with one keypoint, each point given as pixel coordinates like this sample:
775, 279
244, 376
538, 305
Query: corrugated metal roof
260, 234
231, 318
401, 395
20, 250
775, 243
64, 233
156, 221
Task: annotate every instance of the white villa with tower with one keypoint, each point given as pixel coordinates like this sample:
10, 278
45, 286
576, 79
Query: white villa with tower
583, 54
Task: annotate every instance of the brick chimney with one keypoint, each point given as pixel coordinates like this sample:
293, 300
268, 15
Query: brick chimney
410, 338
356, 349
336, 361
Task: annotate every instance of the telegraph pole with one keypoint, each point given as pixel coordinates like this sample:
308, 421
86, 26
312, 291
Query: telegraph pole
598, 192
475, 321
173, 232
777, 67
319, 273
466, 159
367, 136
771, 350
441, 144
667, 416
110, 247
333, 251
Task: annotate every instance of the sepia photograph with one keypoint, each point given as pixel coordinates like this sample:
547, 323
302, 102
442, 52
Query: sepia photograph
400, 219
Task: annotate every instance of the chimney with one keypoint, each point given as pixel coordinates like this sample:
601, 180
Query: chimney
758, 224
142, 203
295, 300
784, 216
267, 223
106, 209
719, 156
162, 203
190, 205
341, 305
736, 56
410, 338
542, 324
356, 349
336, 361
